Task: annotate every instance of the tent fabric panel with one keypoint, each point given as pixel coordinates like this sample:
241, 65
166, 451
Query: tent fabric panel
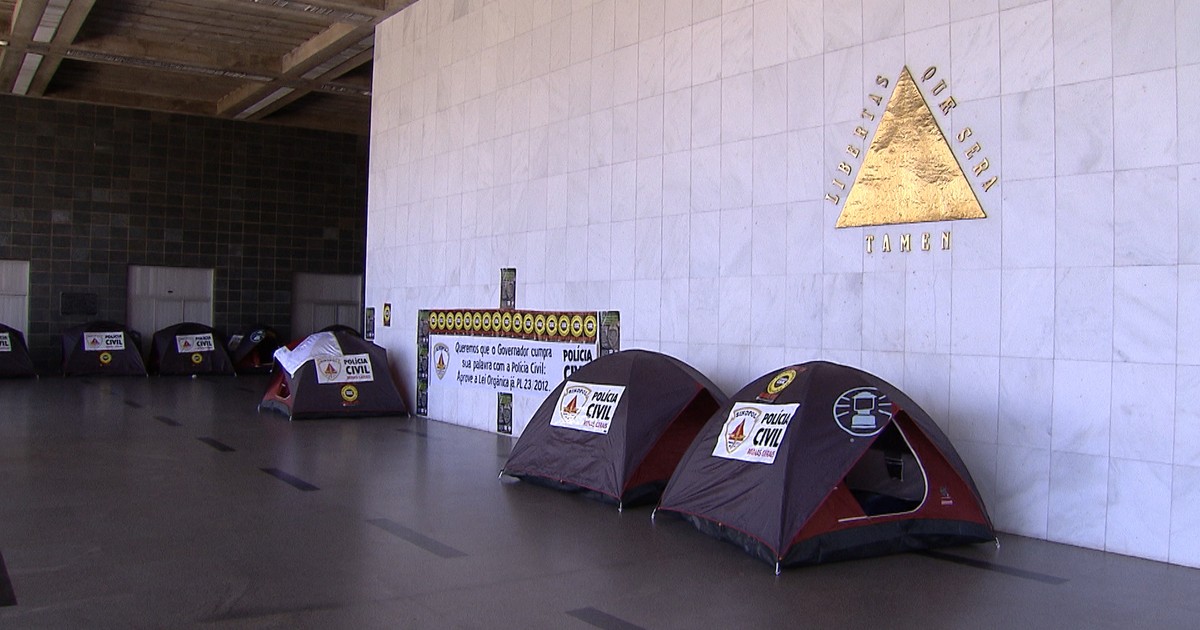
876, 539
311, 399
167, 360
663, 458
16, 363
77, 361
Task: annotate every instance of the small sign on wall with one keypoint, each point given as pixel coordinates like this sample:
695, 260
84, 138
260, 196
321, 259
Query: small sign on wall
369, 323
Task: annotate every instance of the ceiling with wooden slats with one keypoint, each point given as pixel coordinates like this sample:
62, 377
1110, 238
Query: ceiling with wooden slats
304, 64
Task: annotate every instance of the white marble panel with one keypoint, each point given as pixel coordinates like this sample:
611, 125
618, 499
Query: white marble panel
843, 87
676, 246
648, 308
737, 174
805, 310
1083, 40
883, 311
1187, 45
770, 33
882, 19
737, 107
623, 298
705, 230
842, 320
974, 399
768, 311
736, 298
975, 45
1026, 50
600, 195
623, 239
599, 252
624, 134
1188, 88
980, 459
1139, 508
677, 120
601, 149
1137, 23
604, 24
602, 82
1143, 416
1084, 222
626, 23
1028, 126
1026, 402
769, 240
705, 9
844, 24
1083, 314
677, 14
1144, 120
1187, 415
922, 14
650, 127
1145, 314
677, 59
1083, 134
706, 114
927, 382
1022, 490
650, 67
1082, 407
1028, 223
648, 249
1078, 504
706, 51
1189, 213
805, 93
1185, 516
842, 249
649, 186
770, 169
804, 237
975, 328
704, 297
652, 18
928, 311
770, 99
736, 227
625, 76
677, 183
1027, 315
805, 165
1189, 315
768, 358
737, 42
581, 36
706, 179
803, 39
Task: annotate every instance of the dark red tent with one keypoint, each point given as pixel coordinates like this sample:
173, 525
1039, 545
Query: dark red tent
333, 374
253, 349
617, 427
101, 348
189, 349
821, 462
15, 361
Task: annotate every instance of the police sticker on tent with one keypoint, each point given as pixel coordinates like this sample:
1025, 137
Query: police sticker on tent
753, 432
5, 343
101, 341
352, 368
587, 407
195, 343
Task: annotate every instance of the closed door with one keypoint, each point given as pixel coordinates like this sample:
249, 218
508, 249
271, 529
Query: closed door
320, 300
14, 294
165, 296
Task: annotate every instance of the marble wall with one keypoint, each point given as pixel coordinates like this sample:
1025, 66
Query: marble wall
670, 159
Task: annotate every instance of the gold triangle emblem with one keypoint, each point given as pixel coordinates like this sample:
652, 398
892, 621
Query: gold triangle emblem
909, 174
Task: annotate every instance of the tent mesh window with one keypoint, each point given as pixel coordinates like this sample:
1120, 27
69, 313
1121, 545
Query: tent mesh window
888, 479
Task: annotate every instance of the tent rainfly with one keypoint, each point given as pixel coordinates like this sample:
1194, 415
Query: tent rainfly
252, 349
188, 349
617, 428
333, 374
821, 462
101, 349
15, 361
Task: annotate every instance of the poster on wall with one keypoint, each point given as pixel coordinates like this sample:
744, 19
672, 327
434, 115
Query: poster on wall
512, 353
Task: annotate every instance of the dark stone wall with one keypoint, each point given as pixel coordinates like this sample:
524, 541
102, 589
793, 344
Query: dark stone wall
86, 191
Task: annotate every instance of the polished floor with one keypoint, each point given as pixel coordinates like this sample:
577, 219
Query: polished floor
170, 502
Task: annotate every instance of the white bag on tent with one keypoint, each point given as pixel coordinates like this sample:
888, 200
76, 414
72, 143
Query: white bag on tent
322, 344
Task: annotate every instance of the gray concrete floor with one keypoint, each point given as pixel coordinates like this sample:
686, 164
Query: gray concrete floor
115, 512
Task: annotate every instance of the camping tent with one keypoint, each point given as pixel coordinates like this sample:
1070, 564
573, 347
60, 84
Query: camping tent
617, 427
333, 374
821, 462
252, 349
188, 349
101, 348
14, 354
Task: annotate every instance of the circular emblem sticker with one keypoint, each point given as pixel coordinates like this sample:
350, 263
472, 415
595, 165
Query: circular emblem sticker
863, 411
496, 321
350, 394
539, 325
487, 323
552, 325
477, 321
441, 320
257, 336
197, 358
506, 322
589, 325
781, 380
576, 326
458, 320
441, 359
105, 358
564, 324
529, 325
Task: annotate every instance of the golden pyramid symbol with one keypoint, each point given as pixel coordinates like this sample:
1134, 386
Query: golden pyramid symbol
909, 174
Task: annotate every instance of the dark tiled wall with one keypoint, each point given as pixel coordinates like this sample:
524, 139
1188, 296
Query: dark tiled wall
86, 191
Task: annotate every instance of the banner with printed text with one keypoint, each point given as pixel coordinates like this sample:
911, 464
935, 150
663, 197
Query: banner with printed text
195, 343
5, 343
101, 341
